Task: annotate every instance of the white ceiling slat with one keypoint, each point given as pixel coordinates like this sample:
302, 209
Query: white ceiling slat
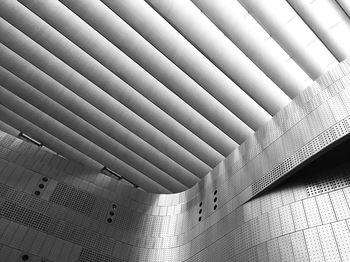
345, 5
121, 65
31, 51
196, 27
283, 28
136, 47
153, 27
102, 100
314, 15
35, 116
106, 80
251, 38
54, 111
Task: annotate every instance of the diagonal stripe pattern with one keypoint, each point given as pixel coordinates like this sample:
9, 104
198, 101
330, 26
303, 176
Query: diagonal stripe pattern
159, 91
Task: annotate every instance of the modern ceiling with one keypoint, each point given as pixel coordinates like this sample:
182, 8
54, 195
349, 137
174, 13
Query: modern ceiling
159, 91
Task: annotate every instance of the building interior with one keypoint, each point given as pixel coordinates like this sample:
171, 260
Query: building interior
174, 130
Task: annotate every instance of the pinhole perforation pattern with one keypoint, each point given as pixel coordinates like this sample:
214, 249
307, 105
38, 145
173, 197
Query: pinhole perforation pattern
292, 230
88, 255
37, 204
326, 183
6, 141
8, 253
4, 152
58, 228
25, 216
73, 198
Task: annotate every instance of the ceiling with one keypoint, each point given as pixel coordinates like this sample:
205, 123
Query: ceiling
159, 91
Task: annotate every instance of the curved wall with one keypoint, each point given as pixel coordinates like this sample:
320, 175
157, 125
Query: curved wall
53, 209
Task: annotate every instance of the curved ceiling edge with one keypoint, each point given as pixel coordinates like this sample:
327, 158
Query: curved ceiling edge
314, 120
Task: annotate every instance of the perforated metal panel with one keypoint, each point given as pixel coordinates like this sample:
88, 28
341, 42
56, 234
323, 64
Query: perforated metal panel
273, 250
73, 198
342, 236
341, 208
275, 222
317, 144
326, 209
287, 222
24, 216
299, 246
87, 255
61, 229
313, 245
329, 246
4, 152
286, 249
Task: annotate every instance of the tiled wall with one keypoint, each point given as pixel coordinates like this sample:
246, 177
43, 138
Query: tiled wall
52, 209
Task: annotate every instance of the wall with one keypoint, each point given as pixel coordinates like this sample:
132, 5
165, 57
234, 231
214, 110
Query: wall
53, 209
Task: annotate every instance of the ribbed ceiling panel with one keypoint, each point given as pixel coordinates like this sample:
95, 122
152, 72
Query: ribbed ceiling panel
200, 31
159, 91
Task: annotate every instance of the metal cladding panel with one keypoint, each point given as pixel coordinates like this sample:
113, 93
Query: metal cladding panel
329, 246
312, 212
286, 249
273, 250
326, 209
342, 236
286, 220
300, 251
262, 252
313, 244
